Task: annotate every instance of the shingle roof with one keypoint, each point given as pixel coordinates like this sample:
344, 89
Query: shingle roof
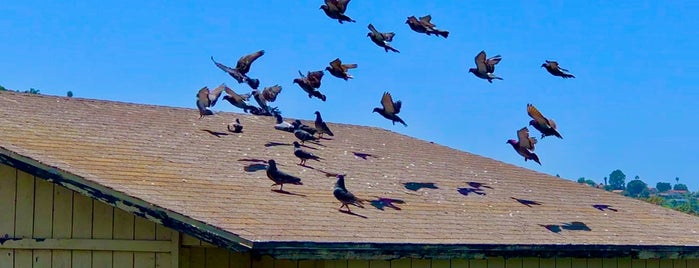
165, 156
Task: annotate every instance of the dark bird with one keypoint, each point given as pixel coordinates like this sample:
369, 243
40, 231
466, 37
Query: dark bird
553, 68
207, 99
321, 126
240, 74
546, 126
278, 177
283, 125
335, 9
314, 78
344, 196
237, 127
485, 67
526, 202
478, 185
339, 70
244, 63
307, 83
303, 155
269, 94
236, 99
604, 207
525, 145
311, 130
390, 109
302, 135
424, 25
381, 39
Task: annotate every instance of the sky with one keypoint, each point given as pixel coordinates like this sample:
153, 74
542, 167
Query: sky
634, 104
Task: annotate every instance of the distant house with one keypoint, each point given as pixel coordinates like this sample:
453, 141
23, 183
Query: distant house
89, 183
673, 193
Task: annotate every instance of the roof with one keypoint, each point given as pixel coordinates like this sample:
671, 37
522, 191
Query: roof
163, 163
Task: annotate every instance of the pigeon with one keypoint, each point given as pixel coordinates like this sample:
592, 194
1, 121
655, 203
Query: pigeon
303, 155
525, 145
304, 127
269, 94
303, 135
321, 126
546, 126
207, 99
314, 78
553, 68
237, 100
244, 63
344, 196
335, 9
283, 125
339, 70
307, 84
381, 39
424, 25
390, 109
486, 67
238, 74
280, 178
478, 185
237, 127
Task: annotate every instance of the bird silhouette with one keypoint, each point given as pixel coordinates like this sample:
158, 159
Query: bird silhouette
344, 196
425, 25
546, 126
339, 70
335, 9
321, 126
207, 99
485, 67
381, 39
280, 178
237, 127
525, 145
304, 155
553, 68
390, 109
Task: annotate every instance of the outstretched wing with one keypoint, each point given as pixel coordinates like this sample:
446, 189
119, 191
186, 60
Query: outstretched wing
203, 98
427, 21
349, 66
491, 62
342, 5
214, 94
388, 36
387, 103
552, 64
336, 64
536, 115
237, 98
480, 62
270, 93
225, 68
373, 29
315, 77
524, 140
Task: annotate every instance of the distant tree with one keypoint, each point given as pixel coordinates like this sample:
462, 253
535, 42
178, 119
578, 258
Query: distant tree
677, 179
645, 193
581, 180
635, 187
69, 94
663, 186
605, 180
2, 88
32, 91
590, 182
617, 180
680, 187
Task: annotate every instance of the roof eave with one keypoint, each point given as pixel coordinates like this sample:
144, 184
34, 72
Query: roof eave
176, 221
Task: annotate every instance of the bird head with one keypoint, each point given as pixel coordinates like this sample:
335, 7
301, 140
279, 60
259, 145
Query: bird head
322, 97
472, 70
368, 34
324, 7
513, 142
297, 144
237, 120
532, 122
543, 65
317, 113
328, 68
272, 163
297, 80
376, 110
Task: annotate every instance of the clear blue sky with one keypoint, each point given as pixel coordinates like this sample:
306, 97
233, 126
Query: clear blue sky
634, 105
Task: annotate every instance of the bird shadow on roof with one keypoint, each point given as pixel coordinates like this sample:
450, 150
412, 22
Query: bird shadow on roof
272, 143
309, 147
287, 192
327, 174
478, 185
215, 133
353, 214
253, 160
312, 142
325, 138
363, 155
526, 202
602, 207
255, 167
568, 226
466, 191
414, 186
384, 202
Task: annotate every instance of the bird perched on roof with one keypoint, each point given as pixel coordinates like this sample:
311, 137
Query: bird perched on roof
321, 126
207, 99
553, 68
283, 125
339, 70
310, 84
335, 9
485, 67
278, 177
269, 94
239, 73
304, 127
390, 109
236, 99
546, 126
424, 25
344, 196
304, 155
381, 39
525, 145
237, 127
303, 135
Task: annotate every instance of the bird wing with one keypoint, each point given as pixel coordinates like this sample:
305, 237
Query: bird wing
237, 98
491, 62
245, 61
480, 62
214, 94
225, 68
387, 103
203, 98
336, 64
270, 93
373, 29
342, 5
536, 115
524, 140
552, 64
552, 123
397, 105
427, 21
315, 77
388, 36
349, 66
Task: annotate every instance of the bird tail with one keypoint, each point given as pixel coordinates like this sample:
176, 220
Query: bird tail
444, 34
568, 76
388, 47
534, 157
401, 121
350, 65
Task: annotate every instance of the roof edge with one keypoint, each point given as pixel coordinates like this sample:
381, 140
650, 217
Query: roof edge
167, 218
390, 251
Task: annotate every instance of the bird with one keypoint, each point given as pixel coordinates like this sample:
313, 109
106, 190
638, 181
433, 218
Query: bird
207, 99
335, 9
307, 84
381, 39
390, 109
546, 126
242, 68
321, 126
553, 68
485, 67
344, 196
424, 25
278, 177
303, 135
283, 125
478, 185
236, 99
303, 155
244, 63
269, 94
304, 127
237, 127
339, 70
525, 145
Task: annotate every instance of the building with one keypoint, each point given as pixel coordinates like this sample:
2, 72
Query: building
89, 183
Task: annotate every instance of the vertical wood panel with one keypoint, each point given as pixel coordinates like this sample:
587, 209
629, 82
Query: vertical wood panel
460, 263
197, 258
62, 222
144, 229
242, 260
501, 262
564, 262
594, 262
123, 229
580, 263
262, 262
102, 228
609, 263
653, 263
185, 258
43, 219
549, 263
530, 263
692, 263
478, 263
440, 264
420, 263
217, 258
162, 233
680, 264
378, 264
638, 263
24, 216
665, 263
400, 263
82, 228
624, 263
8, 188
356, 264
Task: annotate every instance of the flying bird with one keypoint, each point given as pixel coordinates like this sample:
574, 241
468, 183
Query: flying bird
546, 126
269, 94
278, 177
304, 155
321, 126
553, 68
242, 68
244, 63
344, 196
525, 145
485, 67
424, 25
237, 127
381, 39
236, 99
390, 109
309, 83
207, 99
339, 70
335, 9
